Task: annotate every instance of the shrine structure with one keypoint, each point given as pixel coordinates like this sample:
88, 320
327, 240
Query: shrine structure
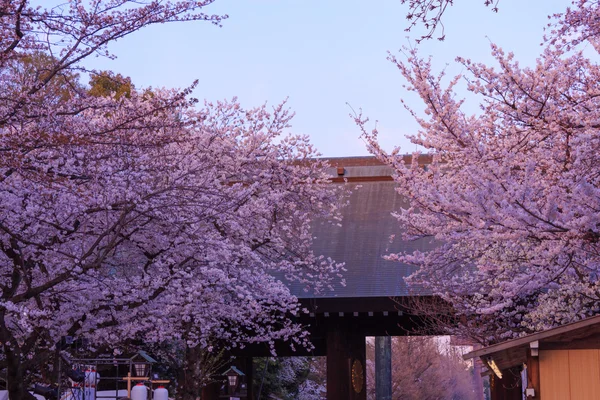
370, 302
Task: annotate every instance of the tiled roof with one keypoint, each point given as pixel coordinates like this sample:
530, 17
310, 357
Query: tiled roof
365, 236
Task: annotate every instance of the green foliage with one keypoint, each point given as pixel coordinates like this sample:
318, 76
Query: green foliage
282, 377
107, 83
27, 71
30, 70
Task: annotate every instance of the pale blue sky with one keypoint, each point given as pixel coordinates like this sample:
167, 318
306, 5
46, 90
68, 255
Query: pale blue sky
322, 55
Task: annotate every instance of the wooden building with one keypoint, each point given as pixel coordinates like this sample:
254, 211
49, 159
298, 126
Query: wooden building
369, 303
562, 363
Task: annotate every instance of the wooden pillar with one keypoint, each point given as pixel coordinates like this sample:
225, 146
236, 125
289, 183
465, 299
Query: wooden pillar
383, 368
507, 388
346, 359
533, 375
245, 365
493, 390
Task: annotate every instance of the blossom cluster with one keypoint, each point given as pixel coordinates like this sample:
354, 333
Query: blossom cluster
137, 213
513, 192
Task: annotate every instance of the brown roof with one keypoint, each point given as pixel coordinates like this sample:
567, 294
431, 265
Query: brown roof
365, 161
514, 352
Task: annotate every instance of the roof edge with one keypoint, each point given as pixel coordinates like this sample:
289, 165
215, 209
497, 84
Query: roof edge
367, 161
533, 337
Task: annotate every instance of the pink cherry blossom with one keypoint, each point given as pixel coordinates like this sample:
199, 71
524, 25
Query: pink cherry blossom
513, 192
143, 216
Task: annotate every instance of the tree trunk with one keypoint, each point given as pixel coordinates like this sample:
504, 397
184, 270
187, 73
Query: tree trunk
17, 389
189, 386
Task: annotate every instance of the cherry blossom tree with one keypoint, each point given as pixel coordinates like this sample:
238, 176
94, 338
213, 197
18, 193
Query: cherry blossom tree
423, 367
127, 213
512, 194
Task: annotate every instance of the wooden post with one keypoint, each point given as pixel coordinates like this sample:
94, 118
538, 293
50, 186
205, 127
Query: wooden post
130, 378
533, 375
383, 368
495, 393
249, 378
346, 359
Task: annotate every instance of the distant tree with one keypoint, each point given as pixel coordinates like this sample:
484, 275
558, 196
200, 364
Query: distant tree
107, 83
423, 368
290, 378
315, 385
19, 74
280, 376
513, 192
